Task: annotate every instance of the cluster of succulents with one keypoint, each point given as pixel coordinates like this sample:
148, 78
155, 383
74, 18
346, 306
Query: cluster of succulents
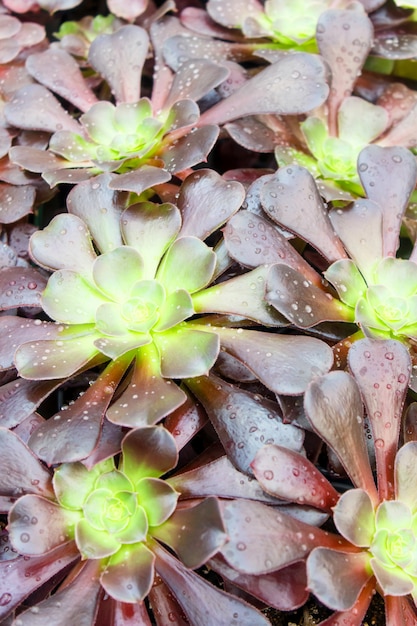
208, 312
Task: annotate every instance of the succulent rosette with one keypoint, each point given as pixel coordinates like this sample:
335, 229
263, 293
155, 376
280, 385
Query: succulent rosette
289, 25
113, 514
386, 304
334, 158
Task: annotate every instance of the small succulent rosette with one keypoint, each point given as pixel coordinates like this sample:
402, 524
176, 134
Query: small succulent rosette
113, 514
389, 531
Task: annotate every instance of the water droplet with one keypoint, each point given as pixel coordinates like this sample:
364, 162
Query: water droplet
379, 443
241, 546
268, 475
24, 537
389, 356
5, 599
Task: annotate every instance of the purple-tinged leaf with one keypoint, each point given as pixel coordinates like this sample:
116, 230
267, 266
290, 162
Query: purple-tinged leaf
185, 421
195, 533
194, 79
388, 176
29, 424
301, 302
355, 616
179, 49
382, 371
61, 173
128, 12
53, 247
339, 31
72, 434
79, 598
58, 70
62, 358
140, 179
284, 590
17, 330
393, 581
167, 609
28, 519
395, 46
252, 240
20, 398
262, 539
20, 287
119, 58
23, 575
405, 474
354, 517
291, 199
404, 132
149, 396
233, 13
173, 271
218, 478
16, 202
108, 444
284, 473
294, 84
35, 159
201, 602
244, 422
113, 613
148, 452
242, 295
129, 574
20, 470
206, 201
360, 228
100, 208
337, 578
334, 407
33, 107
399, 611
255, 135
189, 150
283, 363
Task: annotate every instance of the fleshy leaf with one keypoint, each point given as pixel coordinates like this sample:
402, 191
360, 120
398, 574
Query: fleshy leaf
149, 396
206, 201
129, 574
62, 358
53, 247
116, 272
242, 295
262, 539
73, 482
79, 598
336, 578
72, 434
20, 470
385, 366
334, 407
354, 517
303, 303
150, 228
194, 533
93, 543
388, 176
194, 79
148, 452
66, 288
127, 48
174, 272
19, 399
284, 473
291, 199
393, 581
243, 423
100, 207
275, 359
337, 31
157, 498
347, 279
29, 517
294, 84
214, 606
58, 70
187, 351
17, 580
405, 468
190, 149
20, 287
364, 244
252, 240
